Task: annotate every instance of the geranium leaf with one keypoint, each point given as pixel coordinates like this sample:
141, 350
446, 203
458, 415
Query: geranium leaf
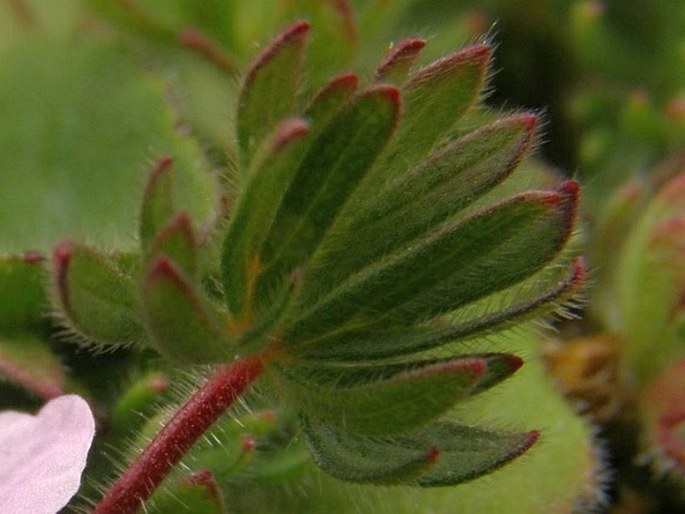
416, 201
334, 164
330, 99
361, 459
459, 263
272, 171
435, 97
158, 205
178, 241
525, 302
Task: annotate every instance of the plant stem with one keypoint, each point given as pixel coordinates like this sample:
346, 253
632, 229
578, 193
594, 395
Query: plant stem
169, 446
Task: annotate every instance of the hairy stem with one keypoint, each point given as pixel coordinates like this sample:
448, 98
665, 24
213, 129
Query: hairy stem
169, 446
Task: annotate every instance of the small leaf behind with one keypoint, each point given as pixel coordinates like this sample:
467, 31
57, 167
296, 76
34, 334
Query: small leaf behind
444, 453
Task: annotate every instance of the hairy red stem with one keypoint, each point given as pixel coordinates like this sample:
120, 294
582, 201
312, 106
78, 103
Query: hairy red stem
169, 446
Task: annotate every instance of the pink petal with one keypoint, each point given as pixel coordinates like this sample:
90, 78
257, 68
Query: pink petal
42, 456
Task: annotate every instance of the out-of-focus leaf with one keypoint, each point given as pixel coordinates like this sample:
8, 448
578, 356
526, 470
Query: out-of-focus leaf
22, 292
158, 204
72, 154
196, 492
179, 242
29, 363
138, 401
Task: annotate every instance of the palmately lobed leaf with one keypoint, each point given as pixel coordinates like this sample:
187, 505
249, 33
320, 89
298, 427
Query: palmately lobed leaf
456, 264
290, 202
473, 321
419, 199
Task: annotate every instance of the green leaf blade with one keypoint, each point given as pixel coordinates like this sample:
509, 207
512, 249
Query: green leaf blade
422, 198
363, 460
383, 399
270, 87
453, 266
256, 210
332, 168
435, 97
96, 301
182, 325
179, 242
158, 206
444, 453
384, 343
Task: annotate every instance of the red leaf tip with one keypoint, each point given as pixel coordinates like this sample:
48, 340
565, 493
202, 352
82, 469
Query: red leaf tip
297, 28
248, 444
33, 257
162, 266
433, 455
62, 255
289, 130
390, 92
163, 163
201, 476
344, 81
570, 188
529, 120
514, 362
579, 271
